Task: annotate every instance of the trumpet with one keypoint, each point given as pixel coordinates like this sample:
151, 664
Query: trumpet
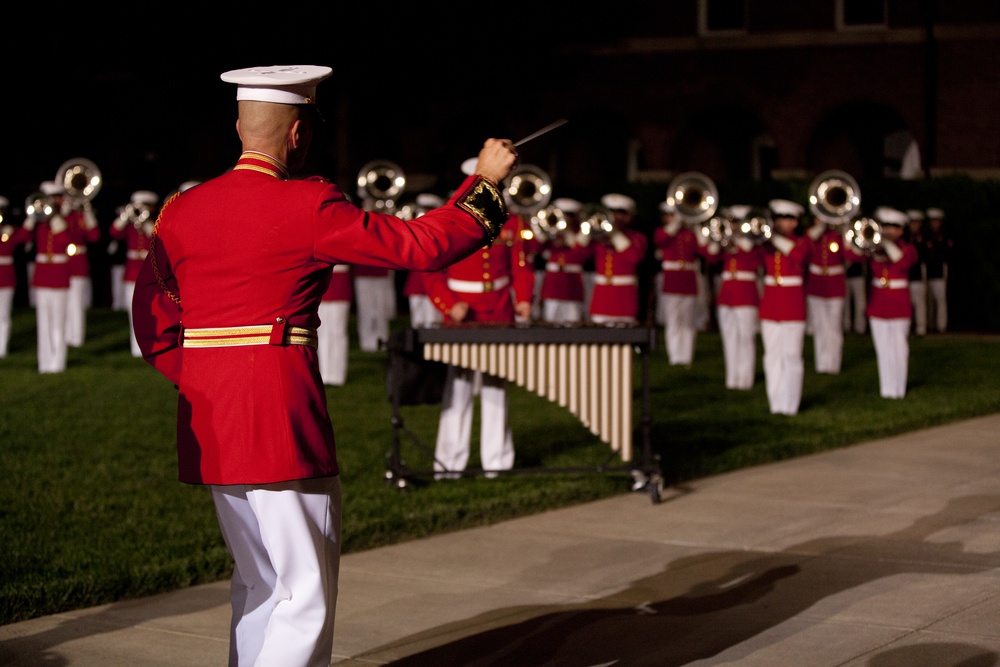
597, 222
38, 204
380, 183
834, 197
549, 224
754, 223
865, 234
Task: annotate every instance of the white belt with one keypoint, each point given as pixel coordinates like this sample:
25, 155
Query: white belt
895, 283
786, 281
556, 267
341, 268
739, 275
80, 249
677, 265
835, 270
6, 260
51, 259
601, 279
137, 254
478, 286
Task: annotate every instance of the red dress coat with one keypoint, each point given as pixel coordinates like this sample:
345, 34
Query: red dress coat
137, 242
10, 238
563, 280
250, 248
678, 254
51, 257
616, 277
341, 287
889, 296
826, 277
738, 270
784, 298
489, 280
80, 236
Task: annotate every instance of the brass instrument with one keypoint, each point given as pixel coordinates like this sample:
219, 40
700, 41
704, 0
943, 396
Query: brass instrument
597, 222
80, 178
865, 234
528, 190
834, 197
409, 211
694, 196
549, 224
380, 183
38, 204
137, 213
718, 229
755, 224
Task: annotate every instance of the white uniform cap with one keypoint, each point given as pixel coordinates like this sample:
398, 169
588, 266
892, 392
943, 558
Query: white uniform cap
785, 208
618, 202
469, 166
4, 202
281, 84
915, 214
145, 197
935, 213
187, 185
890, 216
567, 205
667, 207
52, 188
739, 211
429, 200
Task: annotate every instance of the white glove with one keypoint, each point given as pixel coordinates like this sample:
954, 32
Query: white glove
672, 227
892, 250
714, 248
620, 241
783, 244
702, 237
57, 224
89, 219
120, 222
744, 243
582, 240
29, 222
816, 230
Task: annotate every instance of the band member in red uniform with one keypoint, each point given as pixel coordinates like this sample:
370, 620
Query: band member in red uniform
11, 237
134, 225
83, 229
783, 308
243, 260
678, 249
50, 280
740, 262
565, 253
494, 284
617, 256
889, 307
422, 311
333, 338
826, 292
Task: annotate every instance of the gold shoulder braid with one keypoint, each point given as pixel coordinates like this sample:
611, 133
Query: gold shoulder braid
152, 255
486, 204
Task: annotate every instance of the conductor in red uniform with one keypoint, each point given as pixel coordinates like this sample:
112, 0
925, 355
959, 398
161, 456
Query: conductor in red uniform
225, 307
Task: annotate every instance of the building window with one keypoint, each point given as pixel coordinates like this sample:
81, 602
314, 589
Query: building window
715, 16
863, 14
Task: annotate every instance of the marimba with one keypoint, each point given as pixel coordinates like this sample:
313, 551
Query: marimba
586, 369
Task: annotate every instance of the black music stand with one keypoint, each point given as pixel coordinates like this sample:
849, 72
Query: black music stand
413, 380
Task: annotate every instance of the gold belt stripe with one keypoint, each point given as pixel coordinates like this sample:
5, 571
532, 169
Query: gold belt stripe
251, 335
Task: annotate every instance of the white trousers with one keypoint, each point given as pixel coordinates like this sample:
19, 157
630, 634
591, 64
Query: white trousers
703, 305
892, 351
827, 317
118, 287
784, 368
939, 302
918, 299
50, 318
680, 328
661, 317
375, 304
77, 304
6, 308
496, 444
128, 289
738, 326
422, 311
560, 311
333, 340
855, 304
285, 541
536, 297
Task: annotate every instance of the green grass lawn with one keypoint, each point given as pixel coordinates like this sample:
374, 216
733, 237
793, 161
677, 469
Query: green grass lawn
91, 510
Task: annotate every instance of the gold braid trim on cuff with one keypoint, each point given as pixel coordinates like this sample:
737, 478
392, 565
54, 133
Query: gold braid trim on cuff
486, 204
152, 255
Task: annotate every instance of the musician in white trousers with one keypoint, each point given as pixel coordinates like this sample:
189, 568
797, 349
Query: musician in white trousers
332, 336
826, 292
374, 304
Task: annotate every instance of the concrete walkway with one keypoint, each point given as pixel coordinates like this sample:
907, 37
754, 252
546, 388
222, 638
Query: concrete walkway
884, 554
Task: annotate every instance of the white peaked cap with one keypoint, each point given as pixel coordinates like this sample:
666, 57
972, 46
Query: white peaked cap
145, 197
568, 205
4, 202
915, 214
935, 213
52, 188
890, 216
282, 84
739, 211
187, 185
786, 208
469, 166
618, 202
429, 200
